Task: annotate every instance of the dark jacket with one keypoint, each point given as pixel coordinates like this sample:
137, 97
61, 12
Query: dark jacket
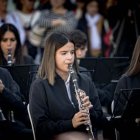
83, 26
125, 82
27, 59
51, 109
11, 100
126, 125
86, 71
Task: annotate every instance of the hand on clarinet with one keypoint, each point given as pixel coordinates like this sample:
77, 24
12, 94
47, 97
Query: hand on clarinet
80, 118
85, 100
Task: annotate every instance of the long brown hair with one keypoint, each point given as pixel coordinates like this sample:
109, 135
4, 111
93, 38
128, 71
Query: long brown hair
134, 67
54, 41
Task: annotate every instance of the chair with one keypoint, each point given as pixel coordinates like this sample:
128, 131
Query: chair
31, 121
117, 134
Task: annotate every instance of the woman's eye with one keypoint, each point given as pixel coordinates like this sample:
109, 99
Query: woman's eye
4, 39
13, 39
63, 53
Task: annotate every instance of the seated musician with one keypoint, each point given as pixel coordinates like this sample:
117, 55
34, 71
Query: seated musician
14, 121
11, 53
129, 80
53, 102
11, 50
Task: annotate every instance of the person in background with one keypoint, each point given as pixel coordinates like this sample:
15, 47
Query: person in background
52, 99
58, 18
105, 93
80, 40
28, 15
79, 8
14, 121
10, 44
8, 17
43, 5
91, 23
129, 80
11, 55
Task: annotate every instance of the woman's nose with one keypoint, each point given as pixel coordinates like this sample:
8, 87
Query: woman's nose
70, 56
78, 52
9, 43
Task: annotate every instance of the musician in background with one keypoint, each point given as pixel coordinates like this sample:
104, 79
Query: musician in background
129, 80
10, 45
53, 102
14, 121
106, 92
80, 40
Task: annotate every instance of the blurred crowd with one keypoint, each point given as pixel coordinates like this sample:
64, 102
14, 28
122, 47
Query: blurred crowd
110, 31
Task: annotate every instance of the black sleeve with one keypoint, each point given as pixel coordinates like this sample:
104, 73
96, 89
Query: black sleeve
11, 85
119, 99
11, 97
106, 94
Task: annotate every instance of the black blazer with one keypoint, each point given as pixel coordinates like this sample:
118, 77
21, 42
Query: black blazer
51, 109
11, 99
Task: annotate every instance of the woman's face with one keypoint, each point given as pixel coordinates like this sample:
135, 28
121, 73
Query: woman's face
8, 42
57, 3
92, 8
81, 52
28, 4
3, 5
64, 56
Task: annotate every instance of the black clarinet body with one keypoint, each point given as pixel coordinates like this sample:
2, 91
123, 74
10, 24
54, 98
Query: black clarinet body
80, 103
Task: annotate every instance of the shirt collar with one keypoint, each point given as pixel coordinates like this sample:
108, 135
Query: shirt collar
68, 80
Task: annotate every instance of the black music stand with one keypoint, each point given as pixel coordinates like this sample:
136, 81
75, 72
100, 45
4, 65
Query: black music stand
21, 74
125, 124
106, 70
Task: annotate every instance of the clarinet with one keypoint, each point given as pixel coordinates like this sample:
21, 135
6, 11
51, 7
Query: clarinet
9, 59
81, 107
2, 118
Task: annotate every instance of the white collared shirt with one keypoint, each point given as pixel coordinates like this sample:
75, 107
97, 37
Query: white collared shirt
67, 83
